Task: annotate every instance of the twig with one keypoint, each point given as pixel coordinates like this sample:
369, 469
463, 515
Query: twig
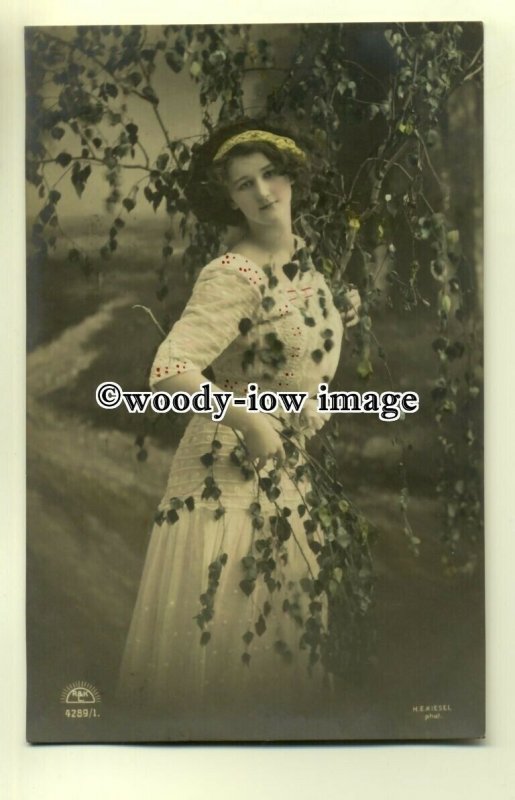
429, 162
358, 173
266, 69
349, 247
376, 188
365, 72
480, 48
471, 74
96, 160
159, 117
152, 317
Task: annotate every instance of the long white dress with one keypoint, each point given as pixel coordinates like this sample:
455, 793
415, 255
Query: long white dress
247, 655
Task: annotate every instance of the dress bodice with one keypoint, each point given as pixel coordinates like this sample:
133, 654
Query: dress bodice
251, 327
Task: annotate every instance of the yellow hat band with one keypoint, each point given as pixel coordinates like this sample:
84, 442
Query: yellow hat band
281, 142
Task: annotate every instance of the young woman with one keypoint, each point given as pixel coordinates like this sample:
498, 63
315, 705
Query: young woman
218, 622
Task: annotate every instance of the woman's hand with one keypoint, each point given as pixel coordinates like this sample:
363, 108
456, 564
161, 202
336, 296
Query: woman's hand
263, 441
350, 316
312, 420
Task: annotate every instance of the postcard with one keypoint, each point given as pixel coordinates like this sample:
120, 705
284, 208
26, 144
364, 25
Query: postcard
254, 382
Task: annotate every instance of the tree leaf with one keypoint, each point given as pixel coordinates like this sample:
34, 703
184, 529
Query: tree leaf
247, 586
132, 131
46, 213
150, 94
162, 161
73, 255
245, 325
63, 159
174, 61
364, 368
172, 516
260, 626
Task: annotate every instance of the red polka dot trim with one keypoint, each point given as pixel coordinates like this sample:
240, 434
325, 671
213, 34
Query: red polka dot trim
176, 368
250, 272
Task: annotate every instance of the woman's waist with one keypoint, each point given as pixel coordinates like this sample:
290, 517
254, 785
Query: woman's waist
203, 434
212, 458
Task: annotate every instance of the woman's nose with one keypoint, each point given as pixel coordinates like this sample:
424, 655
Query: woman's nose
262, 189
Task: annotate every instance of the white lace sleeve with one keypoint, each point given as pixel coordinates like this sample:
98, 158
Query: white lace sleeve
227, 291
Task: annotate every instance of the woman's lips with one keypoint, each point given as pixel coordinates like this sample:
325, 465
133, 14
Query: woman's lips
268, 205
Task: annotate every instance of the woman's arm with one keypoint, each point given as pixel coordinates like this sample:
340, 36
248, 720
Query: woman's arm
223, 295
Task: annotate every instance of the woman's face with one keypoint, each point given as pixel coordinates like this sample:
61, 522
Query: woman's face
258, 190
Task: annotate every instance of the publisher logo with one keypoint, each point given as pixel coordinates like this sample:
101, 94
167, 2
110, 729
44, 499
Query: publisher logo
80, 693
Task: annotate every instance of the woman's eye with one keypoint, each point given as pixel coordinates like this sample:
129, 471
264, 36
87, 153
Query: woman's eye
270, 173
245, 185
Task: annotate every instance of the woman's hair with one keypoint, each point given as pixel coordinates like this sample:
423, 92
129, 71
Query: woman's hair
207, 189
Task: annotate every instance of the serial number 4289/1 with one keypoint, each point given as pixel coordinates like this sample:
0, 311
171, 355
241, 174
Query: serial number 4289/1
81, 713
